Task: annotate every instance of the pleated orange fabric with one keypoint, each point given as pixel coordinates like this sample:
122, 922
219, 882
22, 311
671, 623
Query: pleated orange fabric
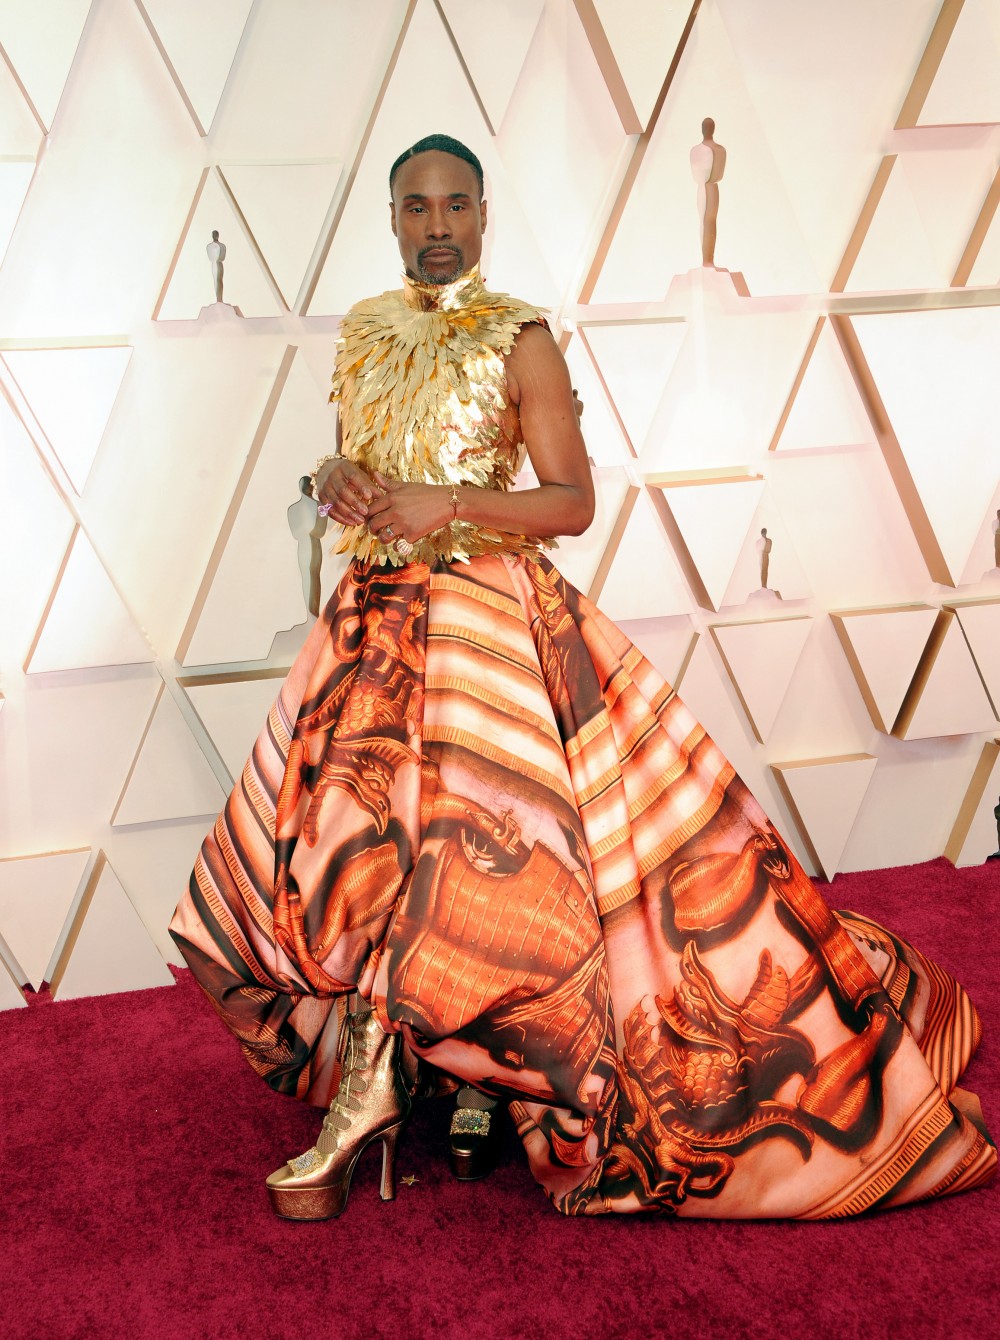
477, 803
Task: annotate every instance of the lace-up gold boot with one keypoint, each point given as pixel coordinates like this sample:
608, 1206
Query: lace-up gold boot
372, 1103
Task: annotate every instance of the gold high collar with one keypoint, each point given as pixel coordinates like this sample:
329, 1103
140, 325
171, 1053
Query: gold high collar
461, 292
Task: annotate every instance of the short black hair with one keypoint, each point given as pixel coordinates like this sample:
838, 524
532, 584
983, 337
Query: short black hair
444, 144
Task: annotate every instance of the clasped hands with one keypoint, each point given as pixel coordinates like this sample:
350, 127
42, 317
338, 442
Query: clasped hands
391, 510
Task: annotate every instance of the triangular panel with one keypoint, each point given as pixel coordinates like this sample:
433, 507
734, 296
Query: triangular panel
15, 178
644, 548
601, 426
71, 393
189, 285
198, 43
11, 995
643, 36
170, 777
109, 948
668, 644
947, 696
255, 550
363, 257
36, 894
883, 648
980, 620
768, 567
825, 795
20, 132
924, 217
35, 531
985, 270
579, 557
761, 658
786, 211
284, 205
635, 361
493, 37
826, 408
713, 520
936, 374
41, 41
965, 90
974, 834
233, 712
86, 623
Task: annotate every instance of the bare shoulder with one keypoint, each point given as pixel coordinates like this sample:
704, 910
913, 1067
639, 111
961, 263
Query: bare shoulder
535, 360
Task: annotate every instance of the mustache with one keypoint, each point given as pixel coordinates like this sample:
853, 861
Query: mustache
441, 246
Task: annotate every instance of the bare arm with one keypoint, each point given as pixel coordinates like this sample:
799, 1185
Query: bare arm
562, 503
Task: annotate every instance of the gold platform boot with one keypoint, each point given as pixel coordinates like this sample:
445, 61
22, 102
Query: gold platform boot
372, 1103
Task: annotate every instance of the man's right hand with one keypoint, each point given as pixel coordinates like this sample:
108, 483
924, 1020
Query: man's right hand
347, 490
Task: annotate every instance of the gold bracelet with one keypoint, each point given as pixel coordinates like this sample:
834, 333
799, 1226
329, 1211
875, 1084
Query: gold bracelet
454, 502
319, 466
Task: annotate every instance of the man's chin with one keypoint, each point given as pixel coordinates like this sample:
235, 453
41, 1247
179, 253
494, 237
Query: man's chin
442, 273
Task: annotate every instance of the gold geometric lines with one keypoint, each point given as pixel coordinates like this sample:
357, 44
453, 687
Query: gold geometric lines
198, 43
283, 206
107, 948
707, 521
232, 709
38, 44
974, 833
825, 797
491, 41
71, 393
928, 379
883, 647
761, 658
85, 622
170, 777
252, 551
37, 894
980, 620
947, 696
248, 284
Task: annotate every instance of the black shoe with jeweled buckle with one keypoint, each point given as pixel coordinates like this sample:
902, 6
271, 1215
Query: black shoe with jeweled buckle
474, 1138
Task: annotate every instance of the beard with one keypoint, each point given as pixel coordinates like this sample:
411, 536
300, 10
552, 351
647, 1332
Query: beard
442, 277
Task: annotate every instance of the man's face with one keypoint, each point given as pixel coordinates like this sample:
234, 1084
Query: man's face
437, 216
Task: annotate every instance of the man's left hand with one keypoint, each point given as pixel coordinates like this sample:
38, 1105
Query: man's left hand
407, 511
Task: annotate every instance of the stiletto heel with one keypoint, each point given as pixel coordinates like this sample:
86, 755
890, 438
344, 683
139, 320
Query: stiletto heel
389, 1138
372, 1103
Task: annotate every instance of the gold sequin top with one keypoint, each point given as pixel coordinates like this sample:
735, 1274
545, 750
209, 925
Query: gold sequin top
423, 398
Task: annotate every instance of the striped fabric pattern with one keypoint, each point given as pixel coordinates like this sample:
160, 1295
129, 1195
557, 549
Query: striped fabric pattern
476, 803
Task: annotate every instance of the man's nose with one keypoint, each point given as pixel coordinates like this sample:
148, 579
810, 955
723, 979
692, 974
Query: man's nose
438, 224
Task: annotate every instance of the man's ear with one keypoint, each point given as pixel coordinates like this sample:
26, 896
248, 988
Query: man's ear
482, 215
392, 217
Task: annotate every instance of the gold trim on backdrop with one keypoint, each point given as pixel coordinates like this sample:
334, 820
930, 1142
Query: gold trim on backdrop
797, 383
236, 502
930, 62
614, 539
857, 239
465, 69
978, 235
638, 152
312, 280
892, 452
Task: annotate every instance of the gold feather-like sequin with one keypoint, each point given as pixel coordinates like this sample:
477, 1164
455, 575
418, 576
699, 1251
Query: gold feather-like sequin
423, 398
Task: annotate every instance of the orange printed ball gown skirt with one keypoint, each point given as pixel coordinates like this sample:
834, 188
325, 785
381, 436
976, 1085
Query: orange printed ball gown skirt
475, 801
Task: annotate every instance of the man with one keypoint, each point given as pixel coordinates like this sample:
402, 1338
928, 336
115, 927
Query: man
478, 807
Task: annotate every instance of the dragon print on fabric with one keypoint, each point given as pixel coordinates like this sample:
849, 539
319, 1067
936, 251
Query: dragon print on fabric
477, 803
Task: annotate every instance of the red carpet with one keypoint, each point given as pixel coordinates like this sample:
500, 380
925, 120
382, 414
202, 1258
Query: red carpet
135, 1142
